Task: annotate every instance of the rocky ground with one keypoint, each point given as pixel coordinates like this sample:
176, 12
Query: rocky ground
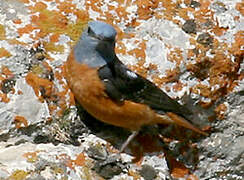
193, 50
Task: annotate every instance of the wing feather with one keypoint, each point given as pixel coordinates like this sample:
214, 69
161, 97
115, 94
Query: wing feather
123, 84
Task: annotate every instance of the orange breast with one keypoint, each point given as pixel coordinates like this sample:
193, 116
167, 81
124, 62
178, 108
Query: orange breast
89, 92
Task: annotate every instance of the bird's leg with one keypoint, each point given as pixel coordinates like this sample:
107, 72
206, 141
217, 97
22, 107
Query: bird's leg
128, 140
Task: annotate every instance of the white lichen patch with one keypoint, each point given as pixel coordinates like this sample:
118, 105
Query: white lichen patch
165, 31
25, 104
156, 53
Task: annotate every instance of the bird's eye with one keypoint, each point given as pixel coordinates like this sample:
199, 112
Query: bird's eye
89, 30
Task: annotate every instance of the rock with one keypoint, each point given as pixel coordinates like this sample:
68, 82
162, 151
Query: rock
205, 39
148, 172
189, 26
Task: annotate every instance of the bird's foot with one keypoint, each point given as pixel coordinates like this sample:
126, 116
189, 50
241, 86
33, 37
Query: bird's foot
128, 140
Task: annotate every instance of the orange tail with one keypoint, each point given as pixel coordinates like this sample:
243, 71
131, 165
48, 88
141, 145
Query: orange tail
175, 119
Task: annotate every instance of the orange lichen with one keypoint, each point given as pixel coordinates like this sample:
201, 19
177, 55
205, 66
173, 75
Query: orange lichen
192, 177
54, 38
222, 65
120, 48
39, 85
80, 160
19, 92
62, 104
24, 1
220, 111
62, 6
50, 22
74, 30
134, 174
18, 175
170, 10
69, 164
183, 12
139, 68
145, 8
4, 53
2, 32
6, 72
236, 48
38, 6
173, 9
26, 30
219, 31
203, 14
240, 7
144, 11
4, 98
220, 69
17, 21
59, 76
202, 89
138, 53
44, 88
205, 104
16, 42
31, 156
178, 170
52, 47
175, 55
171, 75
12, 91
56, 22
19, 121
178, 86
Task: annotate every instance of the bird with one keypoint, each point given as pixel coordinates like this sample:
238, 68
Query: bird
114, 94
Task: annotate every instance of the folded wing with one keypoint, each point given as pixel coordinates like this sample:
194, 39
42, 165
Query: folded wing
123, 84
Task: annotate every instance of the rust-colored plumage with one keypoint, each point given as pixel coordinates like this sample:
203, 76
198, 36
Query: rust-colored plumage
112, 93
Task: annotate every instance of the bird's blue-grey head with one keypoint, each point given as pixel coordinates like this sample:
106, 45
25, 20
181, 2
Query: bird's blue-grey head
96, 45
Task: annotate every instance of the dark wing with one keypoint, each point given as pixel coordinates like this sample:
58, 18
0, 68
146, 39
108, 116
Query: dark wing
123, 84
